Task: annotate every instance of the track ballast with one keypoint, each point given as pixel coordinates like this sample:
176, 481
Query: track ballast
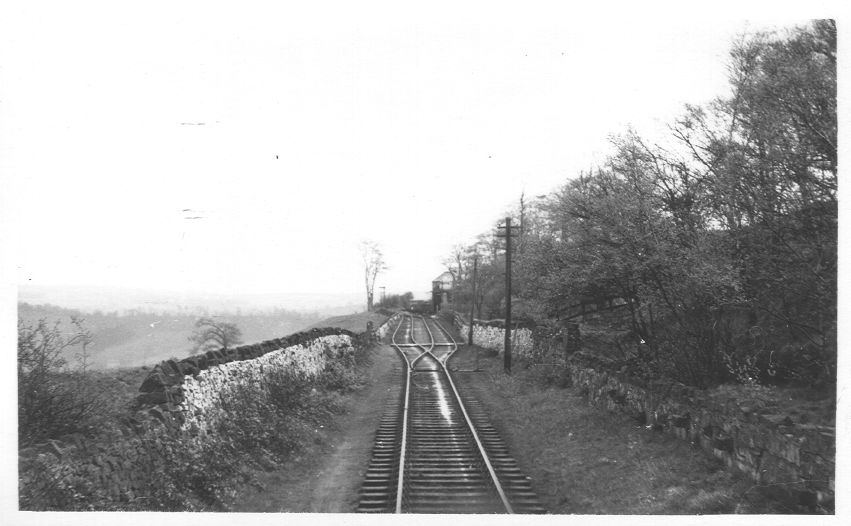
434, 452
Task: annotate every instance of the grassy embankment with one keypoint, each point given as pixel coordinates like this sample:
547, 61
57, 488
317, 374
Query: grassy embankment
584, 460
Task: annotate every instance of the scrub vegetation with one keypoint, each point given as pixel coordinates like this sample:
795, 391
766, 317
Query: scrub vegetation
716, 251
61, 405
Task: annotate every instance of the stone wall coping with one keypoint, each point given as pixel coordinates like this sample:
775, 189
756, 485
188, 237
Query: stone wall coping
170, 373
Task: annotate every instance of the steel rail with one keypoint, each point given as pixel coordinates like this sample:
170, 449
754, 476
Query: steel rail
401, 477
470, 425
410, 363
444, 463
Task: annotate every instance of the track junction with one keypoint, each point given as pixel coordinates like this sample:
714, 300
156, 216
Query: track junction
435, 451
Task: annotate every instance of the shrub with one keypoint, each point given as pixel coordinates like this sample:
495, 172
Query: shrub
161, 467
557, 376
53, 399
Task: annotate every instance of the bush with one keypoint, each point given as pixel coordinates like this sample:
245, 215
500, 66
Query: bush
53, 399
557, 376
177, 470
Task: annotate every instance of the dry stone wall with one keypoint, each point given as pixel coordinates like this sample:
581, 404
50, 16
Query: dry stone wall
491, 335
205, 395
796, 459
389, 324
179, 405
164, 385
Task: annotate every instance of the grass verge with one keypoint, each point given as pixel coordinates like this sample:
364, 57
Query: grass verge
584, 460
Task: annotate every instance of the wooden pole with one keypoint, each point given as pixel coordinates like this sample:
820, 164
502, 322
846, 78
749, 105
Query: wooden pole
473, 310
507, 361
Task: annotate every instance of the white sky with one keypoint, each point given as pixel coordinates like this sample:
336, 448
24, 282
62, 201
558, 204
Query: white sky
321, 127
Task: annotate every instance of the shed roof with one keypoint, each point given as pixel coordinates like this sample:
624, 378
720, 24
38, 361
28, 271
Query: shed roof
446, 277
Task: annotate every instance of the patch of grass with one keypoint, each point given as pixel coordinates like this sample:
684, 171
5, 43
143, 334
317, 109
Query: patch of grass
584, 460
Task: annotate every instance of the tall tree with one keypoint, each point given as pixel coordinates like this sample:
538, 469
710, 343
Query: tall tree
455, 262
213, 334
769, 156
373, 264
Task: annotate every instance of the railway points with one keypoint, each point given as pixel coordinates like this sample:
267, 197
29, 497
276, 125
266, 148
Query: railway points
434, 451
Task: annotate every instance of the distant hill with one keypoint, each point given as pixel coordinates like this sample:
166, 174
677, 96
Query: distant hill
140, 338
120, 300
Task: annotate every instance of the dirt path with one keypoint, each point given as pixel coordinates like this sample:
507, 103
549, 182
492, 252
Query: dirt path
339, 480
326, 477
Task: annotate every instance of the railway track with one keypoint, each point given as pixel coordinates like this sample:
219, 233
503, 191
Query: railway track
434, 451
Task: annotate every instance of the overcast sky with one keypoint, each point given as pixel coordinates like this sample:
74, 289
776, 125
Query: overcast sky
194, 147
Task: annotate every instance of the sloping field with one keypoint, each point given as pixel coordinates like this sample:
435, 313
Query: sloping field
353, 322
140, 338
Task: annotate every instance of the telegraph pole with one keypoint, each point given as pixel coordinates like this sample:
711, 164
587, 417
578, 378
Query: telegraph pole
473, 308
507, 295
507, 235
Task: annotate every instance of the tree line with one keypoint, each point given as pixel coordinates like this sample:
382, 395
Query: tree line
719, 244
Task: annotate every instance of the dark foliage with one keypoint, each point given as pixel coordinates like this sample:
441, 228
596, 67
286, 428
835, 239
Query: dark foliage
720, 247
53, 398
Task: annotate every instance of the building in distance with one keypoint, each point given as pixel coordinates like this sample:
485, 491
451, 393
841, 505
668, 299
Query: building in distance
441, 291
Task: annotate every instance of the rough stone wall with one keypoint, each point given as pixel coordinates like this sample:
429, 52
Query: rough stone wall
462, 326
164, 385
385, 328
798, 460
180, 402
491, 335
205, 395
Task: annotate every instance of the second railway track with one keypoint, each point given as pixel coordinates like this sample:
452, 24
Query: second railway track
434, 451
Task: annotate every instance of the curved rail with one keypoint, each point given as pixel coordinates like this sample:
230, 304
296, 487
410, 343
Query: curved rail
435, 450
407, 397
470, 425
427, 349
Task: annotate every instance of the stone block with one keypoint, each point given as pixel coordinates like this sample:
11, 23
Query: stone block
153, 397
174, 394
171, 368
158, 414
189, 366
155, 381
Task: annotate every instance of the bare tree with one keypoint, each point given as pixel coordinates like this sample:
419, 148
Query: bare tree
373, 264
456, 260
212, 334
